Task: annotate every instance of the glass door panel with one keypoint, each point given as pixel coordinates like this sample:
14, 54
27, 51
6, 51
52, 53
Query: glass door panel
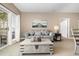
3, 28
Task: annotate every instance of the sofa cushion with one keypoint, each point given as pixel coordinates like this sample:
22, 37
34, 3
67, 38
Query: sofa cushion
37, 33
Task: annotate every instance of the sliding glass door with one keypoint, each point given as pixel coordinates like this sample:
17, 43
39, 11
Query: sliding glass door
3, 27
9, 27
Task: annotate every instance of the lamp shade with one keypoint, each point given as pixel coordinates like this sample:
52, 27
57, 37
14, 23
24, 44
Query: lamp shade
56, 28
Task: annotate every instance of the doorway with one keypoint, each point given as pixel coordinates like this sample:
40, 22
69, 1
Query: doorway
65, 27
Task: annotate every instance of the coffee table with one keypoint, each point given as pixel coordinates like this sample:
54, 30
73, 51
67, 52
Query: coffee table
28, 47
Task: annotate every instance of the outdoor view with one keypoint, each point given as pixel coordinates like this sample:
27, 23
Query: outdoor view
3, 28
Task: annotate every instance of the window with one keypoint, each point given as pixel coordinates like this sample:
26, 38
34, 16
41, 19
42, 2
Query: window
13, 25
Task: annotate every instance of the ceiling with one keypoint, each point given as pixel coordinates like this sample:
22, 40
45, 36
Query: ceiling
48, 7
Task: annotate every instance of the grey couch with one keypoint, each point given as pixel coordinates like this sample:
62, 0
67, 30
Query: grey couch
42, 34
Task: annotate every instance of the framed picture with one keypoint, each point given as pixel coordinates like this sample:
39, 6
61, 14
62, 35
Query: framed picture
39, 24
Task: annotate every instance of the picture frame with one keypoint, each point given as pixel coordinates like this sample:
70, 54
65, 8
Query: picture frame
39, 24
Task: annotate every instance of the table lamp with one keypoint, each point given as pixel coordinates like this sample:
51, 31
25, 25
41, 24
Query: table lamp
56, 28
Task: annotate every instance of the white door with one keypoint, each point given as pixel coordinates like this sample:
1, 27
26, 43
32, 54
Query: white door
64, 27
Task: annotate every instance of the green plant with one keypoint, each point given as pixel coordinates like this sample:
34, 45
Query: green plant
3, 16
3, 19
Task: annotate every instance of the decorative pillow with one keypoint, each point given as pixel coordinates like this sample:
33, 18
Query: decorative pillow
38, 33
28, 34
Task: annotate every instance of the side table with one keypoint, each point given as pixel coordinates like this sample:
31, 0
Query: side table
57, 37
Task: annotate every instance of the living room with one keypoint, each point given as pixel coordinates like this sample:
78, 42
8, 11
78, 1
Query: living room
43, 20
